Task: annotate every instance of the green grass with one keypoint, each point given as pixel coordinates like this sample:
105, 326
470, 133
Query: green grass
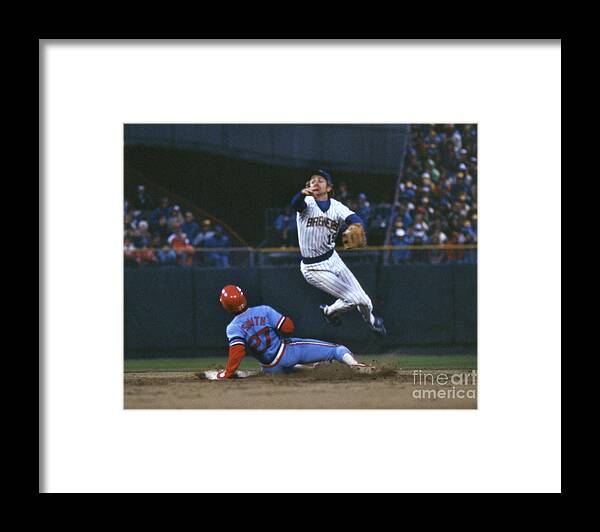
395, 361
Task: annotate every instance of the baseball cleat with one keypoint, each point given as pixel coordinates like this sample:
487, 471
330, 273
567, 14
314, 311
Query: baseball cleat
332, 320
363, 368
379, 327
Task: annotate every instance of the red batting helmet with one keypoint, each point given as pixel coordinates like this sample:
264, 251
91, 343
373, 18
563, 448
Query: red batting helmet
233, 299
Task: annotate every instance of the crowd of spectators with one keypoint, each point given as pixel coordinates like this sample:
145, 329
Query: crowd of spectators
436, 204
161, 234
437, 200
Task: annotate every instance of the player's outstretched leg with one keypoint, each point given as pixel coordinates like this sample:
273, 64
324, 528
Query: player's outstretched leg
309, 351
365, 307
345, 356
363, 303
353, 293
329, 282
375, 322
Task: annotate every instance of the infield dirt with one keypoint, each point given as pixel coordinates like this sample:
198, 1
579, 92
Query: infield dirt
329, 387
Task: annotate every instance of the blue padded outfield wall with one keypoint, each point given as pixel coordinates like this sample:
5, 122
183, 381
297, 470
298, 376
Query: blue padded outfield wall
176, 311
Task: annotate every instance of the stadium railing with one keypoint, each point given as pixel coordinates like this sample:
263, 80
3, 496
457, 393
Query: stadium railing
278, 256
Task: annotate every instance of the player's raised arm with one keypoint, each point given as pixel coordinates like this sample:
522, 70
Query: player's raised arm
298, 201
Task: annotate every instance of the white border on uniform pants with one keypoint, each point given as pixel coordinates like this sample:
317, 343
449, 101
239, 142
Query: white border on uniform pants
511, 443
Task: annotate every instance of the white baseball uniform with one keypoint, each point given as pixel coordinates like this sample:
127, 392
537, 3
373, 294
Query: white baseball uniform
321, 265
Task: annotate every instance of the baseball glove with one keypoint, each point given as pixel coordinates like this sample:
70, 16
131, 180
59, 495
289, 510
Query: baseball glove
354, 237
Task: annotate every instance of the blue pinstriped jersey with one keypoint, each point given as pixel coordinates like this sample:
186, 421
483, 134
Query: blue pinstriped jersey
257, 328
317, 230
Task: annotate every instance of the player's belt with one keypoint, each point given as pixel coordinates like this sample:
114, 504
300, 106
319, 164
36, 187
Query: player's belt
278, 356
320, 258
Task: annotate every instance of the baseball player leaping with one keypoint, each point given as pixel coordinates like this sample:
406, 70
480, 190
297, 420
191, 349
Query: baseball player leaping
319, 221
266, 334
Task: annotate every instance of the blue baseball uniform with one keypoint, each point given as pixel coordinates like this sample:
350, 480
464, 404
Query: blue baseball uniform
262, 329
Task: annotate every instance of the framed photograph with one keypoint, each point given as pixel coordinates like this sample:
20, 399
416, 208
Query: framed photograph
344, 254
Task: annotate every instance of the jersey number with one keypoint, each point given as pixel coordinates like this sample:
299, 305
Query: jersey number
330, 238
256, 343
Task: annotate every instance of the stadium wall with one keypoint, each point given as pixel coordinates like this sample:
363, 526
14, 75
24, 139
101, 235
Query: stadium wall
176, 311
370, 148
